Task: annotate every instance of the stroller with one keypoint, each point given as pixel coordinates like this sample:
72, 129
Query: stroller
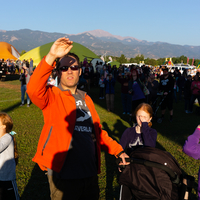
154, 174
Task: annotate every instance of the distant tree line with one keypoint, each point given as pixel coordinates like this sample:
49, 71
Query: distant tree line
151, 61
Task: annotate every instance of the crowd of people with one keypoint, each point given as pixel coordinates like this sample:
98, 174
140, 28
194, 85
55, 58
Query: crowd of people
142, 84
72, 137
138, 84
11, 66
24, 69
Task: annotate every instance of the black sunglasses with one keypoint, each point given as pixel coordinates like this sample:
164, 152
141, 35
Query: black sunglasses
73, 68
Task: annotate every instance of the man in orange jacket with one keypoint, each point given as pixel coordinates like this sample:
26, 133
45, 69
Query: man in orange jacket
70, 144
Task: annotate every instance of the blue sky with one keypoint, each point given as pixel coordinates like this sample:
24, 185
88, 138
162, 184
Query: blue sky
175, 22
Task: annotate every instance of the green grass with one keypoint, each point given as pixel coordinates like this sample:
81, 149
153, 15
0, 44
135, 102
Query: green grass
13, 82
28, 123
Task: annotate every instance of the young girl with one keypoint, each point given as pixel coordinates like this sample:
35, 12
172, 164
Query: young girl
141, 133
8, 186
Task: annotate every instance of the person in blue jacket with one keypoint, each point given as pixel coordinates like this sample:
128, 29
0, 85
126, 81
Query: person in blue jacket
136, 90
109, 82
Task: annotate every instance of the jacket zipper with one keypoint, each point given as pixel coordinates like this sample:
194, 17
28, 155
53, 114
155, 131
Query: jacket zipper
47, 140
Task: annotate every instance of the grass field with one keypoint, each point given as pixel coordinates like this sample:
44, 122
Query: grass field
28, 123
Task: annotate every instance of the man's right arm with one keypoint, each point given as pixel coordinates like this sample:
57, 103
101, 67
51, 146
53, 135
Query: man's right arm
36, 87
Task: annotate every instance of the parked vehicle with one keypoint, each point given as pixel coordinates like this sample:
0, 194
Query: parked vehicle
181, 67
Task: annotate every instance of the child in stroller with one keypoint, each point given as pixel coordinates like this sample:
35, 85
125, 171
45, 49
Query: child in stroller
153, 174
140, 134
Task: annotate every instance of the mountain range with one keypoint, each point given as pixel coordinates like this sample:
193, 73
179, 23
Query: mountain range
101, 42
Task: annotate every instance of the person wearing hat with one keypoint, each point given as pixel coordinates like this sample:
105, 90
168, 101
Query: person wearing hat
71, 140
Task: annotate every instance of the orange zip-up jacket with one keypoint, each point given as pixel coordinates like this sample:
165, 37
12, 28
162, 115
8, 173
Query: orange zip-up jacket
59, 111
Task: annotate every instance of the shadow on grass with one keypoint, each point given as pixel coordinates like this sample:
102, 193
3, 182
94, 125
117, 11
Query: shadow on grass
177, 131
182, 125
7, 110
37, 187
111, 167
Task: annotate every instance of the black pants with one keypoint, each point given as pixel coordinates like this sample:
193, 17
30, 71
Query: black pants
193, 97
167, 103
101, 93
8, 190
74, 189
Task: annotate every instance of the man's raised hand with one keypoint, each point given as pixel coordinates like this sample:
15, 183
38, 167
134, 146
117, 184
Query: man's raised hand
60, 47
